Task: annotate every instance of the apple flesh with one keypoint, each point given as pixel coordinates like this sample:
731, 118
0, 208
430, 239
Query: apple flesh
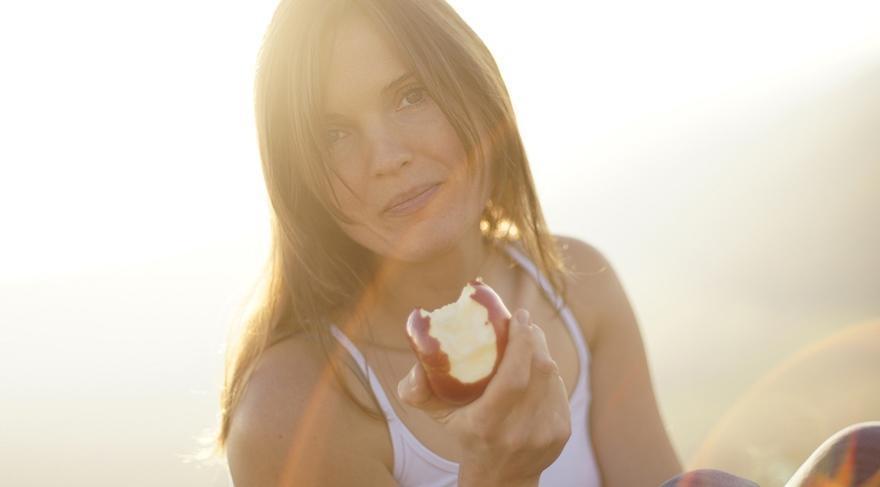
461, 344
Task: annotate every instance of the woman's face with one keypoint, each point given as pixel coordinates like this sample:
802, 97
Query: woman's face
400, 168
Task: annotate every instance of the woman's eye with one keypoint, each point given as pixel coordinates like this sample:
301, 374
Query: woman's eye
414, 97
334, 135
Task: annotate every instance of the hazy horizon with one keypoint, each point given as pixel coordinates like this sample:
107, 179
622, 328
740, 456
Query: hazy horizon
733, 183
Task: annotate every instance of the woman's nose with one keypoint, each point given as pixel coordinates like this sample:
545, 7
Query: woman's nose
388, 151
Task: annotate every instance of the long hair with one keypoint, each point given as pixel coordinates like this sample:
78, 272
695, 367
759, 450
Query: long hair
314, 268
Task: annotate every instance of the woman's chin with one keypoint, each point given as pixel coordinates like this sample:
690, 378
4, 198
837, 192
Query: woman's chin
423, 249
436, 230
426, 244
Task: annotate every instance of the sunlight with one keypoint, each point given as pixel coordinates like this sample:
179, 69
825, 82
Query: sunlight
785, 415
134, 218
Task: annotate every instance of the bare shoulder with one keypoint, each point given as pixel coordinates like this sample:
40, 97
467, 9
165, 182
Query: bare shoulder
625, 421
294, 425
587, 263
596, 290
589, 281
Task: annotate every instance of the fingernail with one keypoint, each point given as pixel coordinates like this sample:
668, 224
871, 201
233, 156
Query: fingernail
522, 316
548, 365
407, 385
401, 388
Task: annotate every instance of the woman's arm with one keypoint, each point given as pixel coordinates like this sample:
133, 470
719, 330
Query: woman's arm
294, 426
630, 441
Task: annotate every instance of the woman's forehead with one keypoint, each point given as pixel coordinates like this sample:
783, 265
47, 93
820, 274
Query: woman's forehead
362, 68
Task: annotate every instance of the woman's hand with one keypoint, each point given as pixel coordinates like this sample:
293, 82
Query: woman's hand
520, 424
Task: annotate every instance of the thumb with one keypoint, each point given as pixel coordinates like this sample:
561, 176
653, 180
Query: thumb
414, 391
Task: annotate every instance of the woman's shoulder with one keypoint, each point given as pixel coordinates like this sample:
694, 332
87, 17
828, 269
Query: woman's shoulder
286, 373
295, 419
583, 264
583, 259
589, 281
588, 273
623, 404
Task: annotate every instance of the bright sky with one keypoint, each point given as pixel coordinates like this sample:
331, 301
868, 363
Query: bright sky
128, 134
133, 215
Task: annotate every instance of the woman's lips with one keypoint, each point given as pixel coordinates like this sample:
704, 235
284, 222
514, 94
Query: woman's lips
413, 204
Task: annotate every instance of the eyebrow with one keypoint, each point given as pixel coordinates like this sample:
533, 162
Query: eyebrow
393, 85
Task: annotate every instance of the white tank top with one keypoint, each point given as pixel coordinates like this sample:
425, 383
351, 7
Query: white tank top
416, 465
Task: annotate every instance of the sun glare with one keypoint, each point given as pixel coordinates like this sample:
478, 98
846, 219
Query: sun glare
723, 156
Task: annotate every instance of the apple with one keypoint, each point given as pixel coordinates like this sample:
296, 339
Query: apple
461, 344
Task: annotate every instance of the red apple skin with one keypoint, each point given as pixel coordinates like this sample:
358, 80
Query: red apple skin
436, 363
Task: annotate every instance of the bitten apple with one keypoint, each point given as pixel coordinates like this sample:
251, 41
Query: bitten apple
461, 344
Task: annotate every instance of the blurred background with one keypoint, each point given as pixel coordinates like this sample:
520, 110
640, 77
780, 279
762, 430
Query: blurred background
724, 157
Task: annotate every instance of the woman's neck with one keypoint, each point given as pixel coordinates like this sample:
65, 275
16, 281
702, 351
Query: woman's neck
399, 286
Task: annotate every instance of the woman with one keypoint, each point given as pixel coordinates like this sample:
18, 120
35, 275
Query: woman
396, 173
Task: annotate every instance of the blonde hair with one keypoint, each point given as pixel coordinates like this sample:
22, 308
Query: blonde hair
315, 269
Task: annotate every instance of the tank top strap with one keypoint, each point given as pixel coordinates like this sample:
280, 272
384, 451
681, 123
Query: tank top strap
375, 385
532, 269
554, 297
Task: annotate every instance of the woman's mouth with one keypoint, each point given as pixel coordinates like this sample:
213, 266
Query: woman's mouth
414, 203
